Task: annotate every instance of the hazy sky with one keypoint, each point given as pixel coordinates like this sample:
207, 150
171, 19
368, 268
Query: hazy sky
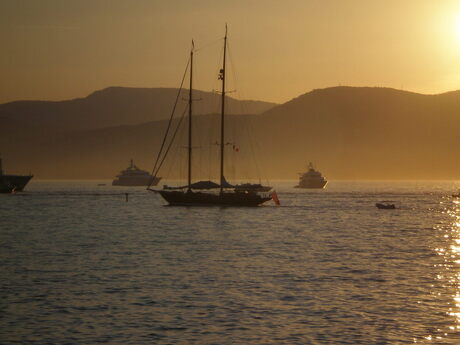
60, 49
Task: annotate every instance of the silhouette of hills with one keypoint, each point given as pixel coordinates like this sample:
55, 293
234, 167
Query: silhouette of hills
348, 132
116, 106
369, 132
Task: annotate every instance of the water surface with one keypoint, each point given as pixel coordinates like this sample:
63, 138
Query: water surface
80, 265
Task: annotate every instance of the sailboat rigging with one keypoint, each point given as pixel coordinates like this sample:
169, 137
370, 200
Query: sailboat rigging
193, 193
190, 101
222, 115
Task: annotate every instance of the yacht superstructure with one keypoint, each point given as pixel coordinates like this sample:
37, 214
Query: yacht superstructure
311, 179
133, 176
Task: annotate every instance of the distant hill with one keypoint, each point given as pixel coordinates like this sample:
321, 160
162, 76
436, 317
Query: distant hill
116, 106
348, 132
368, 132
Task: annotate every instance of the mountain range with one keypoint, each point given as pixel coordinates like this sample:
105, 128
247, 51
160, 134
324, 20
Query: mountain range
348, 132
115, 106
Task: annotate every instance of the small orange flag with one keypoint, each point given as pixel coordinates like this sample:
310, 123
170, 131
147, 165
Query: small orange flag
275, 198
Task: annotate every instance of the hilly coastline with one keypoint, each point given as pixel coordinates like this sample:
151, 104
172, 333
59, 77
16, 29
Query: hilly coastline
349, 132
115, 106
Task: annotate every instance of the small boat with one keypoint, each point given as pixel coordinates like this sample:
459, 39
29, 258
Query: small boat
12, 183
385, 205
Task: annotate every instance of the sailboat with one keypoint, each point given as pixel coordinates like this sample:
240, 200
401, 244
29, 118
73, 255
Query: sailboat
209, 193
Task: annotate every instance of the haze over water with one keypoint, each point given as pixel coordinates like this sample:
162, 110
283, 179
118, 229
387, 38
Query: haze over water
79, 265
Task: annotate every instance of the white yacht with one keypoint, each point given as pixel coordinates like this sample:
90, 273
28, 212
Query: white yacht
311, 179
133, 176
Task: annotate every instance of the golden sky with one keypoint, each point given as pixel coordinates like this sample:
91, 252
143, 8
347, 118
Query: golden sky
61, 49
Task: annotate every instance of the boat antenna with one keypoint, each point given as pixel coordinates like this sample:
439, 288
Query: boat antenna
190, 100
222, 114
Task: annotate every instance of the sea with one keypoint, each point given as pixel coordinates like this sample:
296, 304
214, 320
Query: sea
83, 263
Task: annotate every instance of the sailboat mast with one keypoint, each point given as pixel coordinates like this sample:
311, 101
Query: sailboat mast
189, 174
222, 122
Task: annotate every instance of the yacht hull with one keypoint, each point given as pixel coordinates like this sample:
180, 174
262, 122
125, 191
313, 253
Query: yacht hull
318, 184
136, 181
181, 198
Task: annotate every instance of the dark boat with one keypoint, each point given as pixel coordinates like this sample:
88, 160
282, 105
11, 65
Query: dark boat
253, 187
225, 198
12, 183
385, 205
208, 193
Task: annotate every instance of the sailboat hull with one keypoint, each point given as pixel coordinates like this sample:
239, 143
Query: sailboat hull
181, 198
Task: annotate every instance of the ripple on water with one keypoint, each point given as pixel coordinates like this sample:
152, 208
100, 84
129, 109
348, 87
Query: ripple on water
325, 268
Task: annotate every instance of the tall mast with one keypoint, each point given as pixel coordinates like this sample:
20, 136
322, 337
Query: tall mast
190, 122
222, 122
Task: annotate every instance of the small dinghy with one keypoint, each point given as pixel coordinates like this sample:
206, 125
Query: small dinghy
385, 205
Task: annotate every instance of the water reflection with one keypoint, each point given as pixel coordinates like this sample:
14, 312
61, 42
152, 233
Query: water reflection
447, 287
